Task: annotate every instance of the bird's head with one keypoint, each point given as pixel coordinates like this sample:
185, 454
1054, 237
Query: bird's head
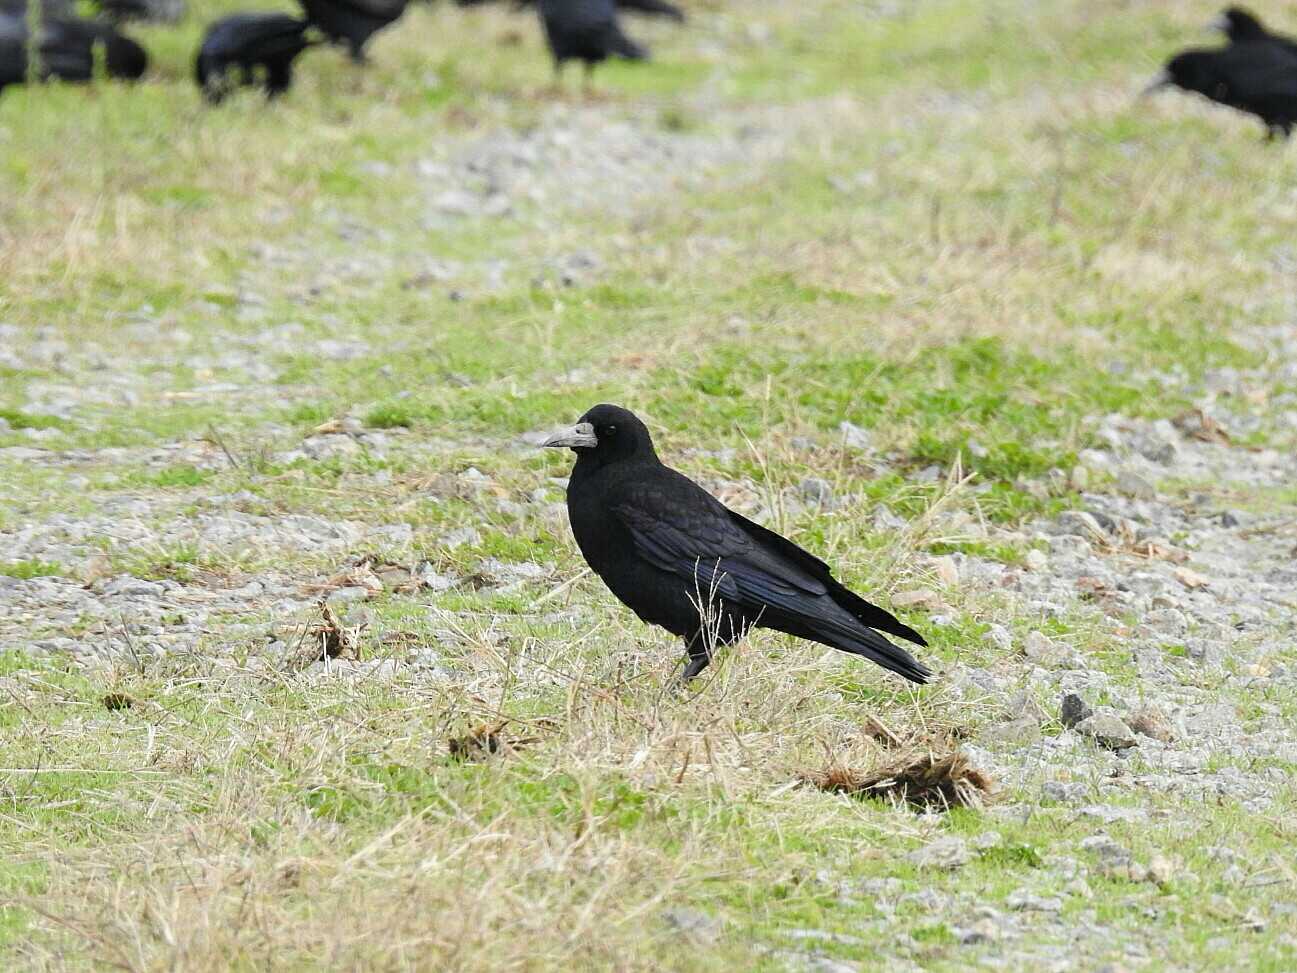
1194, 70
605, 434
1191, 71
1239, 25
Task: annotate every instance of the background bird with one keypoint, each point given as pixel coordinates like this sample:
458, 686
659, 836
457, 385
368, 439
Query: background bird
680, 559
1260, 79
652, 8
1243, 27
353, 22
585, 31
246, 42
66, 50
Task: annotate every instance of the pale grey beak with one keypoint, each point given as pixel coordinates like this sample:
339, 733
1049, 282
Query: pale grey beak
1162, 80
580, 436
1221, 24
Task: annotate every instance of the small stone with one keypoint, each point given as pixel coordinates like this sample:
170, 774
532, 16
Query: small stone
947, 570
921, 599
1108, 813
694, 925
1152, 723
823, 964
1065, 792
333, 444
1041, 649
1161, 870
1191, 579
1171, 621
948, 852
1134, 485
1079, 888
133, 587
1024, 901
999, 636
1074, 711
1036, 560
981, 931
456, 202
817, 491
1081, 523
855, 437
1234, 875
1019, 731
1229, 518
461, 536
1107, 730
343, 596
430, 578
884, 519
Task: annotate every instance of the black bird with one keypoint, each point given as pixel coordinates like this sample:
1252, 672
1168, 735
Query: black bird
66, 50
13, 52
353, 22
158, 11
586, 31
680, 559
246, 42
652, 8
1243, 27
1257, 78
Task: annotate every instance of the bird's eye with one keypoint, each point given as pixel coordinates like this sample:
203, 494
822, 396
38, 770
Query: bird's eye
610, 430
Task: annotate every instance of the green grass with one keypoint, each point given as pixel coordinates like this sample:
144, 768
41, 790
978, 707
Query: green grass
31, 569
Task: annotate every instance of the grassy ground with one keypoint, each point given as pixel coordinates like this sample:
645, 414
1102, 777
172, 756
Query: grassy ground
952, 226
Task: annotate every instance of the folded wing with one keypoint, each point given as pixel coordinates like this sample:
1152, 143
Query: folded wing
772, 581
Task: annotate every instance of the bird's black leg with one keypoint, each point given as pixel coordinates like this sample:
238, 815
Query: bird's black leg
699, 657
587, 85
279, 77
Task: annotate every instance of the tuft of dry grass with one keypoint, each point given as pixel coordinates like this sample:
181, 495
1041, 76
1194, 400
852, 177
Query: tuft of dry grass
928, 777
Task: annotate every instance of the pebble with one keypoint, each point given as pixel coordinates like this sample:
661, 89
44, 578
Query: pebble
950, 852
854, 437
1107, 730
133, 588
817, 491
697, 927
1022, 900
1152, 722
1134, 485
1041, 649
999, 636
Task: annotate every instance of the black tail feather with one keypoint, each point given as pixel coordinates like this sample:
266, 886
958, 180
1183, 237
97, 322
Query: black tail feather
623, 46
879, 650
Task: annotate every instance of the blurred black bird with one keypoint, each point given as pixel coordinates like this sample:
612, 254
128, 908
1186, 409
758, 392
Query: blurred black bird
247, 42
586, 31
1256, 73
353, 22
66, 50
158, 11
1257, 78
1243, 27
680, 559
652, 8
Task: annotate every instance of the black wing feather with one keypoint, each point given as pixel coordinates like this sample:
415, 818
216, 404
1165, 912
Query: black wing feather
772, 579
